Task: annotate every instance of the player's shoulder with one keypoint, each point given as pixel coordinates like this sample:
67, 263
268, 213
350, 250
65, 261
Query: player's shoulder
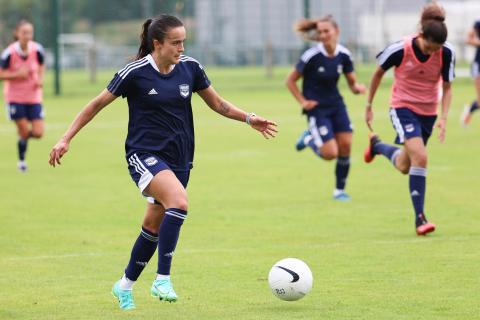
38, 46
311, 52
133, 67
391, 49
5, 54
448, 47
341, 49
190, 61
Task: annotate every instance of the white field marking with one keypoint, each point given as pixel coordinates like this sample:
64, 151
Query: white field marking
236, 249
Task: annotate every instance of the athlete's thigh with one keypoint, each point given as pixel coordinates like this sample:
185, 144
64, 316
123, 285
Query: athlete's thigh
415, 148
166, 188
341, 121
38, 127
477, 87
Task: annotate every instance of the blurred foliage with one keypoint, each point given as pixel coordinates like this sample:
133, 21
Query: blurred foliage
90, 16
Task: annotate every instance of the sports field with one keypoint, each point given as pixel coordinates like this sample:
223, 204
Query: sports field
66, 233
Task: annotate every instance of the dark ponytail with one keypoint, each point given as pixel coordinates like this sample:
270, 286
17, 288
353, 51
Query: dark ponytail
156, 28
433, 23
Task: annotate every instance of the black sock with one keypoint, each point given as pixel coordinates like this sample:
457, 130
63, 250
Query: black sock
168, 237
22, 149
341, 172
142, 251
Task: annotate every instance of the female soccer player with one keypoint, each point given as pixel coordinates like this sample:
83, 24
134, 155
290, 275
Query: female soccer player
473, 39
160, 142
423, 62
22, 66
330, 131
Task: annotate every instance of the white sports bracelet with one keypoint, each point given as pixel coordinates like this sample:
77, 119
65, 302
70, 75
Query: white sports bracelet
249, 116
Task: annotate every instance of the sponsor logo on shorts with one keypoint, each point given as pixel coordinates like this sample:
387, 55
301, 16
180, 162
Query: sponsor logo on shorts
323, 130
409, 127
151, 161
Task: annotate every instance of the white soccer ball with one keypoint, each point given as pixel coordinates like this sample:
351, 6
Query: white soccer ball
290, 279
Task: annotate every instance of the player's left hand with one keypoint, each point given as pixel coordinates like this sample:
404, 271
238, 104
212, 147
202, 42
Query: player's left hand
266, 127
442, 126
360, 88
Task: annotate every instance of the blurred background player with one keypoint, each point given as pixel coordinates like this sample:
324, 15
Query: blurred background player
329, 132
422, 63
473, 39
22, 66
160, 142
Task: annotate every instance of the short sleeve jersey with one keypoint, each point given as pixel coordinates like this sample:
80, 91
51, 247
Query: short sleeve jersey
476, 27
160, 110
321, 73
392, 56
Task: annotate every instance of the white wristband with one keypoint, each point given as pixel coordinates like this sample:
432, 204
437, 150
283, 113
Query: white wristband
249, 117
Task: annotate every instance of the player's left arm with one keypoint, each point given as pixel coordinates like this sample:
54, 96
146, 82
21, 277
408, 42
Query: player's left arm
229, 110
448, 74
355, 87
41, 67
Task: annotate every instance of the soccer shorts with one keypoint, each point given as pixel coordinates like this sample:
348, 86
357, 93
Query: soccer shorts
409, 124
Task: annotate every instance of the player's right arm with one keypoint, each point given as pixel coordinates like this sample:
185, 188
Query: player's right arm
291, 83
84, 117
374, 83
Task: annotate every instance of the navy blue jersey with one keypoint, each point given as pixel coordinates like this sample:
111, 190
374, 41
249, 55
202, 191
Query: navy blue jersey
321, 73
476, 26
160, 110
5, 56
392, 56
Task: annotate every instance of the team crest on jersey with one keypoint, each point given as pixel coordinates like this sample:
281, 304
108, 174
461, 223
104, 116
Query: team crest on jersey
184, 90
340, 69
151, 161
321, 69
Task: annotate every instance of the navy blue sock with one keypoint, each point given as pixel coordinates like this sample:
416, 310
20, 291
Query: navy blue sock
474, 106
388, 150
142, 251
417, 183
168, 237
22, 149
341, 171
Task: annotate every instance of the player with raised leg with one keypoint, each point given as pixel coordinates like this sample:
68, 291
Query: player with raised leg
423, 63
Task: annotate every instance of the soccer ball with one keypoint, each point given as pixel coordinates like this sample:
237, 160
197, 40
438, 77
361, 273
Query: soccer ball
290, 279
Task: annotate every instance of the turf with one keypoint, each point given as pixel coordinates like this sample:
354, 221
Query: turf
66, 233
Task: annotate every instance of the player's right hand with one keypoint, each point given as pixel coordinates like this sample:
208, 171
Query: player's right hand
309, 104
57, 152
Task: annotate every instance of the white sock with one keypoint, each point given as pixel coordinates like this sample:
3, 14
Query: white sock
162, 277
337, 192
126, 284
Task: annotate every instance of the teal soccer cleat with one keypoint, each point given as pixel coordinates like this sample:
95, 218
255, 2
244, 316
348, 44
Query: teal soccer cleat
342, 196
163, 290
125, 297
300, 145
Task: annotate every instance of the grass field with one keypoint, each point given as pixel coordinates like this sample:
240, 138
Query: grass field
66, 233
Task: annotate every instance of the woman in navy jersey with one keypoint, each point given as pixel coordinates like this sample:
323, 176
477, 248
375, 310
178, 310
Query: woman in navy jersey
22, 66
160, 142
423, 64
329, 132
473, 39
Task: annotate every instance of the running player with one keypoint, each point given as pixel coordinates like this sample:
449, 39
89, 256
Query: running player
329, 132
160, 142
423, 63
22, 66
473, 39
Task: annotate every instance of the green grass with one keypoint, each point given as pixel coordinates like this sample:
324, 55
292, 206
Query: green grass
66, 233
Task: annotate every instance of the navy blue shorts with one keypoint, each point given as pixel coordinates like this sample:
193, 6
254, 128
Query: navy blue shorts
324, 123
409, 124
18, 111
143, 166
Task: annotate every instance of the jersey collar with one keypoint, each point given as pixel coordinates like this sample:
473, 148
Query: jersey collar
322, 49
154, 65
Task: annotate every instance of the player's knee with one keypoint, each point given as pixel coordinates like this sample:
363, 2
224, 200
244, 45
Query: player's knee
180, 202
420, 160
329, 152
36, 134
